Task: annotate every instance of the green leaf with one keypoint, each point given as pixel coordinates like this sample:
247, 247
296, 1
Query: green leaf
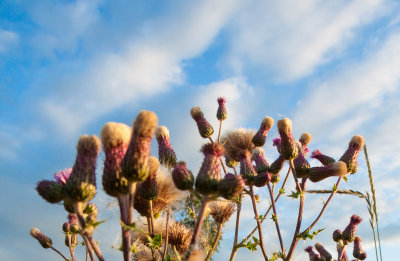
282, 191
334, 188
96, 224
294, 195
260, 217
126, 227
306, 234
346, 179
274, 217
155, 241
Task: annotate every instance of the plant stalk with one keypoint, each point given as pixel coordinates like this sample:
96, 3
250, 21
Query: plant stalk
238, 210
276, 218
253, 200
166, 234
217, 237
58, 252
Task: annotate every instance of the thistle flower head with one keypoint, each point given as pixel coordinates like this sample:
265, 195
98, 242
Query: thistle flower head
134, 166
43, 240
312, 255
350, 155
179, 236
288, 147
277, 165
336, 169
63, 175
324, 159
358, 252
258, 157
277, 143
323, 252
237, 141
74, 240
115, 138
205, 128
51, 191
261, 135
148, 189
210, 172
305, 139
166, 154
349, 234
231, 186
168, 194
182, 177
337, 235
301, 165
262, 179
222, 210
221, 112
246, 168
81, 185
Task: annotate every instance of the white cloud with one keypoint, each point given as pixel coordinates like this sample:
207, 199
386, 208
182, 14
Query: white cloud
7, 40
146, 65
290, 39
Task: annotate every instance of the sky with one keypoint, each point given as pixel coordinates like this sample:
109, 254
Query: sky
68, 67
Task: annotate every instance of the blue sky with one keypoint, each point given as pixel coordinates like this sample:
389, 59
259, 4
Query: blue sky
67, 67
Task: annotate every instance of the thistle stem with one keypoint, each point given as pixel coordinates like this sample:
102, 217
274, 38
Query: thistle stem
123, 202
58, 252
217, 237
219, 131
276, 218
295, 175
199, 223
166, 234
253, 200
299, 218
239, 208
89, 250
71, 249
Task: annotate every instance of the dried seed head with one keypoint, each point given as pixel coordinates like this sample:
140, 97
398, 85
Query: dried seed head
323, 252
337, 235
237, 141
115, 138
312, 255
81, 185
349, 234
51, 191
305, 139
205, 128
231, 186
258, 157
43, 240
221, 112
166, 154
358, 252
182, 177
288, 147
336, 169
350, 156
210, 172
134, 166
261, 135
179, 236
222, 210
324, 159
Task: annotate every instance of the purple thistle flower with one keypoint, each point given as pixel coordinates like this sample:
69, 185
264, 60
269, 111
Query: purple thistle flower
221, 112
182, 177
288, 148
349, 234
261, 135
205, 128
301, 164
63, 175
350, 156
358, 252
311, 254
246, 168
165, 152
258, 157
324, 159
231, 186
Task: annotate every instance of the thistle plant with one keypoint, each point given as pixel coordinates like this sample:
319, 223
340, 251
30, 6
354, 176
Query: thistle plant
167, 213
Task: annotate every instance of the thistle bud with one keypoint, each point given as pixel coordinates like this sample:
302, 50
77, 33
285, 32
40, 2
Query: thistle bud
210, 172
74, 241
350, 155
165, 152
277, 165
134, 166
277, 143
115, 138
231, 163
149, 189
288, 146
275, 178
66, 227
258, 157
182, 177
221, 112
262, 179
51, 191
231, 186
43, 240
74, 228
90, 208
349, 234
246, 168
63, 175
324, 159
301, 165
323, 252
357, 251
337, 169
81, 185
337, 235
205, 128
311, 254
261, 135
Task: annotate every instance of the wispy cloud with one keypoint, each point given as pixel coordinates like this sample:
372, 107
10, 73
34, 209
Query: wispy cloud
7, 39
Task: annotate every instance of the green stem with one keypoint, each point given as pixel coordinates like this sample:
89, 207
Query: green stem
234, 247
253, 200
